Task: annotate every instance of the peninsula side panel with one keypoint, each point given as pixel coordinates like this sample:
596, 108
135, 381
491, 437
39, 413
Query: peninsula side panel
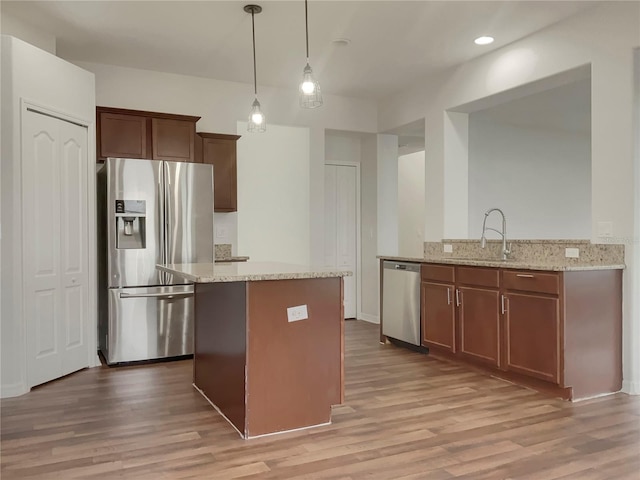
220, 347
294, 369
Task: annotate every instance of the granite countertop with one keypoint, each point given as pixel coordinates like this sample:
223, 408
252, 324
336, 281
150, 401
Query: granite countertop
232, 259
249, 271
571, 265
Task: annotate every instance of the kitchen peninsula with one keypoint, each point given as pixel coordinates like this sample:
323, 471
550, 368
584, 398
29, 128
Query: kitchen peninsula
265, 366
539, 318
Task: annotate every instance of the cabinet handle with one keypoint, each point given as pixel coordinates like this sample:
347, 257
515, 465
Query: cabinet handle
502, 307
448, 296
458, 295
524, 275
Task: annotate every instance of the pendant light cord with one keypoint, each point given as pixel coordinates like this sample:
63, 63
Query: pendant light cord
306, 27
255, 75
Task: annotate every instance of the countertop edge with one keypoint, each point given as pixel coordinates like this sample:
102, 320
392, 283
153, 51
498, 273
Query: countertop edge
509, 264
222, 278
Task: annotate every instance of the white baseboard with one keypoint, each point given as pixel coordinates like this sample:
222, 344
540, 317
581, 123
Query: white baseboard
631, 387
367, 317
13, 390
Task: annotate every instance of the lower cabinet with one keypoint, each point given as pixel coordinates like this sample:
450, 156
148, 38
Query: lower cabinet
479, 317
438, 316
532, 335
558, 331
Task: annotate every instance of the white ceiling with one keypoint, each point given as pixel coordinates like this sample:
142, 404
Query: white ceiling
393, 43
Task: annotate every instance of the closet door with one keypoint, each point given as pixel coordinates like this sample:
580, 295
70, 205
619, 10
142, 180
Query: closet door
340, 227
55, 240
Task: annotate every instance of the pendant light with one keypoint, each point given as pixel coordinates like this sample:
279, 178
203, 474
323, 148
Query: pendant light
257, 121
310, 95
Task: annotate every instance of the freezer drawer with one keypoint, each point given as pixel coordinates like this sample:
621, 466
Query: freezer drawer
149, 323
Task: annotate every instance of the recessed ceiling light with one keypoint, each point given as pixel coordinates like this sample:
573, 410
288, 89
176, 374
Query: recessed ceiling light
341, 42
483, 40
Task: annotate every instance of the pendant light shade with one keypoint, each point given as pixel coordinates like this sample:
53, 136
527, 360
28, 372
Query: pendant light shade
310, 94
257, 121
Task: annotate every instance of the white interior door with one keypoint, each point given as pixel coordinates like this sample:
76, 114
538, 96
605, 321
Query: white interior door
55, 233
341, 227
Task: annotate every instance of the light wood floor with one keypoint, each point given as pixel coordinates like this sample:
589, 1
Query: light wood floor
406, 416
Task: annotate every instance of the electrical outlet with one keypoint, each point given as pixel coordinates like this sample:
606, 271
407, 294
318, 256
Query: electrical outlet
222, 231
295, 314
572, 252
448, 248
605, 229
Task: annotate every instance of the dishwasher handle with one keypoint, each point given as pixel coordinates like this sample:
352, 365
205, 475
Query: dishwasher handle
402, 266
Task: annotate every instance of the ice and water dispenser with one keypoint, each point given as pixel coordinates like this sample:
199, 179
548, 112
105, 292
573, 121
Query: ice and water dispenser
130, 223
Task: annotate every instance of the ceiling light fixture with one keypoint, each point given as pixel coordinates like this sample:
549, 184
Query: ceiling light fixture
310, 95
484, 40
257, 121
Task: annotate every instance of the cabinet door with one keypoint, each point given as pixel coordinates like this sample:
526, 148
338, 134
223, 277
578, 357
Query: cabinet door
438, 316
122, 136
532, 325
221, 153
173, 140
479, 314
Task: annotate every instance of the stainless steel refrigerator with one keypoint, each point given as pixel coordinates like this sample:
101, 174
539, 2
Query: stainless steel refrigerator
150, 212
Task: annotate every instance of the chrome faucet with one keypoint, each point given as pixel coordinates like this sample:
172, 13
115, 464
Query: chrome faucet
483, 240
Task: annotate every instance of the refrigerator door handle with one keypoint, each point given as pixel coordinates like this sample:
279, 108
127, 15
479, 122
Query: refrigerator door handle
157, 295
167, 185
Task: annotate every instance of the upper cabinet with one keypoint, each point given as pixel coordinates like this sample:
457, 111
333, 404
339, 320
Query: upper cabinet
219, 150
140, 134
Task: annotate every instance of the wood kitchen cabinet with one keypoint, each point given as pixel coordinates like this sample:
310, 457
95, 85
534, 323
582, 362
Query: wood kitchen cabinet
140, 134
478, 304
220, 151
438, 314
532, 335
556, 331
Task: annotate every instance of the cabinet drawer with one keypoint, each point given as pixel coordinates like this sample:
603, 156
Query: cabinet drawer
529, 281
482, 277
438, 273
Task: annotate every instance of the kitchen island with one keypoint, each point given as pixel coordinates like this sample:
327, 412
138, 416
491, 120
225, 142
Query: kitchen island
266, 366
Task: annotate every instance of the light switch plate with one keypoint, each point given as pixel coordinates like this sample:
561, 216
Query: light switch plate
295, 314
572, 252
448, 248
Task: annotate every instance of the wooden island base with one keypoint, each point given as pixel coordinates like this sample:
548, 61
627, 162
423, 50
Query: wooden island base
263, 373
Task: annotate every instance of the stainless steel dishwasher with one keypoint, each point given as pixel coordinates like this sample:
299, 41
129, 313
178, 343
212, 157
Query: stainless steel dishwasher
401, 301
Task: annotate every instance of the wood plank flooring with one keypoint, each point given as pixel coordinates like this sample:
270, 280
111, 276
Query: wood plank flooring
406, 416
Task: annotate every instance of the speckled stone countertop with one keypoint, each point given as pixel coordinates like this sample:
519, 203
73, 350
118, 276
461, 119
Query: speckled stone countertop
232, 259
249, 271
511, 263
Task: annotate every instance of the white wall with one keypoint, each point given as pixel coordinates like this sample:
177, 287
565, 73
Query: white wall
387, 150
369, 228
602, 37
10, 25
411, 204
273, 198
362, 149
342, 146
540, 179
34, 75
456, 173
632, 254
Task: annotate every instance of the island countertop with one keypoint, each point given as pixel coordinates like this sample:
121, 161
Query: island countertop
249, 271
